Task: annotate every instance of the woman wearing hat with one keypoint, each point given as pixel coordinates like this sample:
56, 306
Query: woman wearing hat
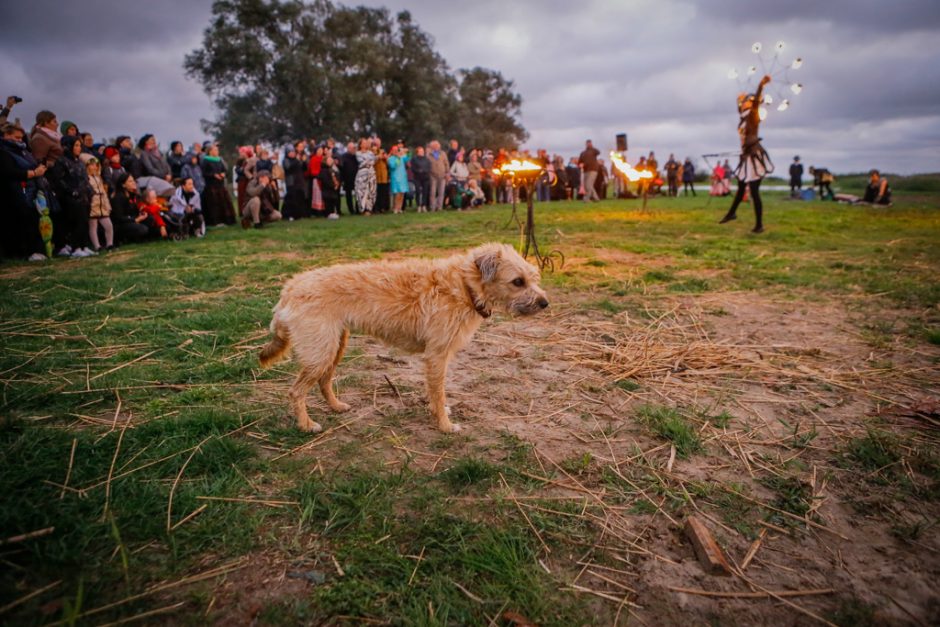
755, 163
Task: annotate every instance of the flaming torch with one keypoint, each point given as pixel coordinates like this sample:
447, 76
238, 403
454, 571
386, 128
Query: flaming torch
642, 177
628, 170
523, 172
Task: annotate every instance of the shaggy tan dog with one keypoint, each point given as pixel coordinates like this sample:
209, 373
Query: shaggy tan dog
417, 305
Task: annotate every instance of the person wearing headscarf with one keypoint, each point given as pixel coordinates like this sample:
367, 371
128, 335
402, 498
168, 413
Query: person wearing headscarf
755, 163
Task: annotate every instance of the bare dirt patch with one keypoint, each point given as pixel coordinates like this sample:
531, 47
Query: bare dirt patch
774, 391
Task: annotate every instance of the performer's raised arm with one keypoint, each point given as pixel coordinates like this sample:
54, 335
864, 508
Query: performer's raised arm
758, 97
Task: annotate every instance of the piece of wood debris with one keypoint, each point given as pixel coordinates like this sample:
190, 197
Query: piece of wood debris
706, 549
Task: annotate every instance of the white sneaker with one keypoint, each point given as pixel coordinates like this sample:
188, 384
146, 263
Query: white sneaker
89, 252
37, 257
80, 253
333, 216
65, 251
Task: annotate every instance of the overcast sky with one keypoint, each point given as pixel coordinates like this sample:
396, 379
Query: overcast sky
656, 70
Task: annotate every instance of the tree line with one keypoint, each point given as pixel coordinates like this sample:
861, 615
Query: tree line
283, 69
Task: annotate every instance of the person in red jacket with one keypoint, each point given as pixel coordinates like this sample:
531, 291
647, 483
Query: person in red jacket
316, 188
150, 214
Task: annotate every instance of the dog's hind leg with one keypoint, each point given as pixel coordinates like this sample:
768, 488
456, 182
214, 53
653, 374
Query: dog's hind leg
436, 369
326, 381
307, 378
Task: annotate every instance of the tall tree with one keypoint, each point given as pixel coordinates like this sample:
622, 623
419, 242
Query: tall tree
489, 109
279, 69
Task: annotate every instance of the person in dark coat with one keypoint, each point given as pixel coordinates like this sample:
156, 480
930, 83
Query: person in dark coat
296, 200
129, 160
125, 207
330, 185
573, 178
796, 176
672, 175
217, 205
176, 159
688, 177
70, 181
421, 173
348, 167
21, 177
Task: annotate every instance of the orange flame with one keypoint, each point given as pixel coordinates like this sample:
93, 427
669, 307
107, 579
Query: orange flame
518, 167
628, 170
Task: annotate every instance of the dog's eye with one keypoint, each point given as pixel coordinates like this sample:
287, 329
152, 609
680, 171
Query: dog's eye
520, 282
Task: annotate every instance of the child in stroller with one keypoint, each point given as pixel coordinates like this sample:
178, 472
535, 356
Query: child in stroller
185, 215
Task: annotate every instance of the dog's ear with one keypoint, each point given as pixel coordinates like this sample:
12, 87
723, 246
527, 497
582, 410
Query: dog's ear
487, 263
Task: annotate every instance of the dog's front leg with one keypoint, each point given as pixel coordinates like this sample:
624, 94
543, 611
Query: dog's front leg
436, 366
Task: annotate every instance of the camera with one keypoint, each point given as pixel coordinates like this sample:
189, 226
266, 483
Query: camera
17, 99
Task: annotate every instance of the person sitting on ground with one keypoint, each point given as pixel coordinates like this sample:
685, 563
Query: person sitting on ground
100, 207
473, 195
877, 192
186, 205
263, 199
125, 207
150, 216
155, 165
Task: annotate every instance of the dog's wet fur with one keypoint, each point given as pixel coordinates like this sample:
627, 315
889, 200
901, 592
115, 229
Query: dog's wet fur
423, 306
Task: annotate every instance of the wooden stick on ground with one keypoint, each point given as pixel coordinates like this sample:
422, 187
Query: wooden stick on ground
707, 550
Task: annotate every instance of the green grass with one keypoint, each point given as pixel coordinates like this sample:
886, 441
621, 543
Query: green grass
166, 335
669, 424
381, 523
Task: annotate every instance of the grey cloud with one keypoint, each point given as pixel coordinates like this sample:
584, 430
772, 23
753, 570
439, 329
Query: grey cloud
590, 69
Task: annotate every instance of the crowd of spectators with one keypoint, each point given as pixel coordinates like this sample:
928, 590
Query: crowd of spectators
100, 195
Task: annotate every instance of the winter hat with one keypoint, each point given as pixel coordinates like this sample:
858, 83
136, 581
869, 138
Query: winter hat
66, 125
110, 151
143, 140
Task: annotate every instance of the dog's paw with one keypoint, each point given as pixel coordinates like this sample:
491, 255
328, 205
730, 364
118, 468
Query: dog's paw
340, 407
311, 427
450, 427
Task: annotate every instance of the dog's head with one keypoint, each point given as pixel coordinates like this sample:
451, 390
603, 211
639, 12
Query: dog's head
507, 281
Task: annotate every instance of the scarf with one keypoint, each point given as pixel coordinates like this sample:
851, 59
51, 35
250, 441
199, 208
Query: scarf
53, 134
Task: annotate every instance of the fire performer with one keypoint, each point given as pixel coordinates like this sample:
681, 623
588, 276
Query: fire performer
755, 163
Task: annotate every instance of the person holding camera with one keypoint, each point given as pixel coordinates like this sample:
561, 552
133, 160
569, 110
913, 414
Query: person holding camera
5, 111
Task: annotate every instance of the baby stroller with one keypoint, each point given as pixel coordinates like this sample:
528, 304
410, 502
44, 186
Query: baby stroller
182, 226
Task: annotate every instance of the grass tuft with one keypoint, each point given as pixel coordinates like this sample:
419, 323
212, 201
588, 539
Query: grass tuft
668, 423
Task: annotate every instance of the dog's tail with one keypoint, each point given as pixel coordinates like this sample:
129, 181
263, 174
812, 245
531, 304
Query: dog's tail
274, 351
